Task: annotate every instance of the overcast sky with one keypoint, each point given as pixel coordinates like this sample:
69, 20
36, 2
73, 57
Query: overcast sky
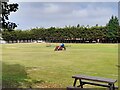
59, 14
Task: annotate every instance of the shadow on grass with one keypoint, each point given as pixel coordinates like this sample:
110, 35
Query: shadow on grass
13, 75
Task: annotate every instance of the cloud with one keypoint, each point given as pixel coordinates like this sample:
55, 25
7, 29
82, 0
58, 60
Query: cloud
34, 14
51, 8
64, 0
93, 12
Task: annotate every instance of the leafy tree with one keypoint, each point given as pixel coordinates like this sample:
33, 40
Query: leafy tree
6, 36
78, 25
6, 10
113, 27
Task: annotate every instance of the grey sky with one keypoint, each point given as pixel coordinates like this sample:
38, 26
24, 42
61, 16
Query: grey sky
59, 14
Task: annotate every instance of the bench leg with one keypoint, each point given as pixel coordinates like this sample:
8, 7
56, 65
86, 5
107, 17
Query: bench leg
75, 82
112, 86
81, 84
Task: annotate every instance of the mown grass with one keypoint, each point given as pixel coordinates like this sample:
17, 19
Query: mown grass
41, 66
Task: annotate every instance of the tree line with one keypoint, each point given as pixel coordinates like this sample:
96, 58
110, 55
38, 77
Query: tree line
68, 34
75, 34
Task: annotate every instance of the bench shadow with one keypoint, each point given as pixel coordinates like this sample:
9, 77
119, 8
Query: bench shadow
13, 75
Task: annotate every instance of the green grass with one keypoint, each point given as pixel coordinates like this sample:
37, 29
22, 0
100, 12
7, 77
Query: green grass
39, 66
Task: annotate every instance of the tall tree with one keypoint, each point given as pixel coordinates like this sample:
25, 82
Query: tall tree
6, 10
113, 27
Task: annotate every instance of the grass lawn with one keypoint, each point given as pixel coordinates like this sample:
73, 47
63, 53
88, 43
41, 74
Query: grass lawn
35, 65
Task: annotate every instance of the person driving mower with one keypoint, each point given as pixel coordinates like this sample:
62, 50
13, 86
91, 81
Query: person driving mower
58, 48
61, 46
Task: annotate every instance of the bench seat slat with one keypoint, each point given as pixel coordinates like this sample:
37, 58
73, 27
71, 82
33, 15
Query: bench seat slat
104, 85
106, 80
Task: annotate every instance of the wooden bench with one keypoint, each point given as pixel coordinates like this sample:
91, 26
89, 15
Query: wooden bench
83, 79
